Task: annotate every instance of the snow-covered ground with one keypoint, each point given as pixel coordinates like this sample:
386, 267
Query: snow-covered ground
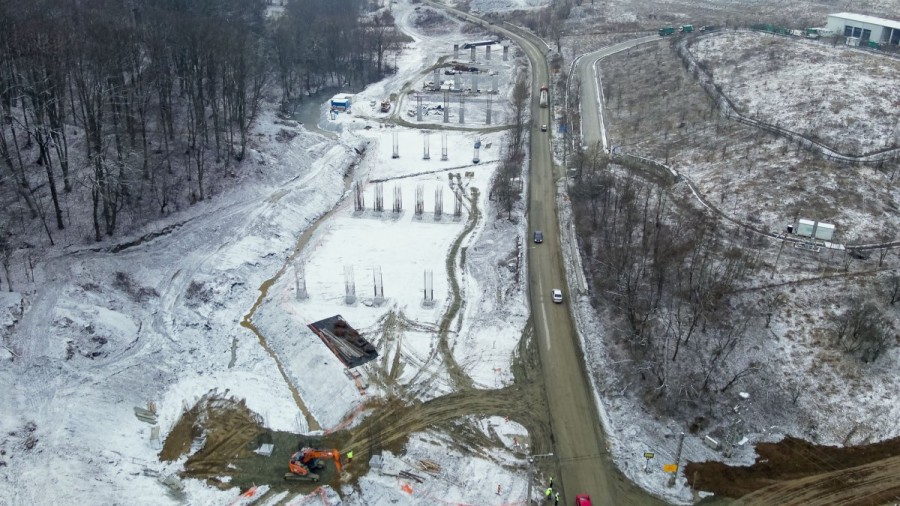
836, 95
99, 333
499, 6
811, 389
157, 325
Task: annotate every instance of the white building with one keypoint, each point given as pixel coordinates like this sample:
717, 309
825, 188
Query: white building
865, 28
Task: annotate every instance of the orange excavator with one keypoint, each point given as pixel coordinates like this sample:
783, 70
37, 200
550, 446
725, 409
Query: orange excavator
303, 464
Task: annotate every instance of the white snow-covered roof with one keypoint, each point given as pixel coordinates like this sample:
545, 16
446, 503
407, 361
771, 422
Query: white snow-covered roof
872, 20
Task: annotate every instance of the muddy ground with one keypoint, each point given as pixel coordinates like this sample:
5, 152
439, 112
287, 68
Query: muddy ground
796, 472
232, 432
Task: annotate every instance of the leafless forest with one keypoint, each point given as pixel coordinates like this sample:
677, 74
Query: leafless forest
118, 112
700, 309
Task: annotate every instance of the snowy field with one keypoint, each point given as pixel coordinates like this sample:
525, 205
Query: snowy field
500, 6
100, 331
809, 388
157, 325
836, 95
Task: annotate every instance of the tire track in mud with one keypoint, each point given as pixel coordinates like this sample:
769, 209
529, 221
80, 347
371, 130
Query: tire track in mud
391, 343
457, 375
797, 472
390, 422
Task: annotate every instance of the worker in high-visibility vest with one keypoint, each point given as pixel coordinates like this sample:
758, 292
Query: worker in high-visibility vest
349, 456
556, 503
549, 492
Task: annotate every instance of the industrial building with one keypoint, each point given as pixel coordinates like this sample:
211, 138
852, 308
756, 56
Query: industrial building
865, 28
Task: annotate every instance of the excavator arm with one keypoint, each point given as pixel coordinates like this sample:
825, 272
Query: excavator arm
304, 463
310, 454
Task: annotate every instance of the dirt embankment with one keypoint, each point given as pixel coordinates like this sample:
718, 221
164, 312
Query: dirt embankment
793, 471
229, 429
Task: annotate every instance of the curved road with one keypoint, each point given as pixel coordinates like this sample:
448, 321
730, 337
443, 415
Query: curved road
592, 123
584, 466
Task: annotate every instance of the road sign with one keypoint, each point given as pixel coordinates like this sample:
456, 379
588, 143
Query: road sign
648, 455
670, 468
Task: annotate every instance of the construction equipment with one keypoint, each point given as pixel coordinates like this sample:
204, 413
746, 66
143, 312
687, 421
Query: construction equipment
666, 30
303, 464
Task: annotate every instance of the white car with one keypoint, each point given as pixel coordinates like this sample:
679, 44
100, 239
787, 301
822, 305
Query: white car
543, 128
556, 293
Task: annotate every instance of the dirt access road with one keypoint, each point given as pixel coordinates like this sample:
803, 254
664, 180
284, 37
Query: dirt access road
583, 462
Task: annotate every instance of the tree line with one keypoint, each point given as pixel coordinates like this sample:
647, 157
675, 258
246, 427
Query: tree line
131, 110
666, 275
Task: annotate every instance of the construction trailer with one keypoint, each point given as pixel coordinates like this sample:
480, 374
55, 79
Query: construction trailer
341, 102
824, 231
814, 229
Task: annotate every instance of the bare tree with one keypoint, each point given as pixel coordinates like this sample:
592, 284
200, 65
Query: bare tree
863, 331
520, 103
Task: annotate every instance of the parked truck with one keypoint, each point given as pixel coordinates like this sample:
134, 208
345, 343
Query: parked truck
667, 30
545, 100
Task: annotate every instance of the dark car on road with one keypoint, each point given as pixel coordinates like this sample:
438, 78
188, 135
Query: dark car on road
538, 236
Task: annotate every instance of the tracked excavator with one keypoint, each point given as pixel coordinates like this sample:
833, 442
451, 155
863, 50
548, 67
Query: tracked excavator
304, 463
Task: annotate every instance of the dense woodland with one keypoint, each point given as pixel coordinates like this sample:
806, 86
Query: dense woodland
115, 112
667, 274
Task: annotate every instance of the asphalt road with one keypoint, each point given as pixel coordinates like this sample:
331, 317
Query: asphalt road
583, 464
591, 125
579, 445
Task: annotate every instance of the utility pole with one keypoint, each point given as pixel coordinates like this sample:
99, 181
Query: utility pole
775, 265
677, 460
